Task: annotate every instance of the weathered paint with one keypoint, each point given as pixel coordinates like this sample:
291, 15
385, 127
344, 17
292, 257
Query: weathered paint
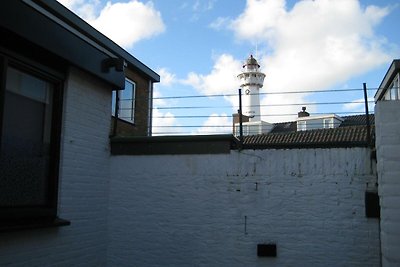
213, 210
84, 186
387, 115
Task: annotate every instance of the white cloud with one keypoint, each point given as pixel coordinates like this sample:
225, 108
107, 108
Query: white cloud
167, 78
158, 100
315, 45
130, 22
165, 124
216, 124
220, 23
358, 105
123, 22
86, 9
221, 80
259, 20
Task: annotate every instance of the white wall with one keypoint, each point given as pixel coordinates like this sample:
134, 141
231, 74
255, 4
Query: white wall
191, 210
84, 187
387, 114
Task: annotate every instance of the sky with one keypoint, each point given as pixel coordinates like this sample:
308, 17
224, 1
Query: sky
198, 47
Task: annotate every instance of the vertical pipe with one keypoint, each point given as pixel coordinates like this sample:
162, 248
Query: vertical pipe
116, 113
240, 117
150, 113
367, 115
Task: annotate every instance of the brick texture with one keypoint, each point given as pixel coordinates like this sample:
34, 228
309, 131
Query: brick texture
84, 187
388, 157
214, 210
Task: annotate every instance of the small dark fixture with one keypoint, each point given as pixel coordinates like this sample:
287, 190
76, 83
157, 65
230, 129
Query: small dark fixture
303, 113
118, 63
266, 250
372, 207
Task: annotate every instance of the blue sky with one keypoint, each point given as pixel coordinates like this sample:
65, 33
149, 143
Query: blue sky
198, 48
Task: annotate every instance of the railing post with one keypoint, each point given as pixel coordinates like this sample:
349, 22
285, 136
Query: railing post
367, 115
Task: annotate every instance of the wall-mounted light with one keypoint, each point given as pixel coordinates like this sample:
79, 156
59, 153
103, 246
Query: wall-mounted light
118, 63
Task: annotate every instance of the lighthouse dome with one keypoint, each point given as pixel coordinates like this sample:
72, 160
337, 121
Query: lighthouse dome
251, 61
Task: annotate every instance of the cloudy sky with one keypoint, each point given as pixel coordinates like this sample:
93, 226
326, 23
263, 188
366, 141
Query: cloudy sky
198, 48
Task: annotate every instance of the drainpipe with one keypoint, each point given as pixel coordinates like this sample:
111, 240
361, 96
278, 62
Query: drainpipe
150, 113
116, 111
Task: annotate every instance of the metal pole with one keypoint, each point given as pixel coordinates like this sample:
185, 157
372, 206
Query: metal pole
116, 111
240, 117
367, 115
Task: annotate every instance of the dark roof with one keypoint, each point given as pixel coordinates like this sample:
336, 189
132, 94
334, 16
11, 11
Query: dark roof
351, 136
351, 133
291, 126
284, 127
357, 120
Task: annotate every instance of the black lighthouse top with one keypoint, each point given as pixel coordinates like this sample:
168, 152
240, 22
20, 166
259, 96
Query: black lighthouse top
251, 61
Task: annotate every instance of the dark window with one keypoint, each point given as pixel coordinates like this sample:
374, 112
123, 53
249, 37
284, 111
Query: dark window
30, 122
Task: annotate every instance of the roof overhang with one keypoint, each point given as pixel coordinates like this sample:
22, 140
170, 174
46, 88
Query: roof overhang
48, 24
389, 76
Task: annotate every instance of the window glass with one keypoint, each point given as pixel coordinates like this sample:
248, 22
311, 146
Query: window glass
328, 123
301, 125
25, 139
127, 102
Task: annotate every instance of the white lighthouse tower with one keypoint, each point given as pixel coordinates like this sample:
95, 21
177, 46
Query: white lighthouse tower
251, 80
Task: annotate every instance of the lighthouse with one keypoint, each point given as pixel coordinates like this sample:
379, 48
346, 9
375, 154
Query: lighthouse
251, 80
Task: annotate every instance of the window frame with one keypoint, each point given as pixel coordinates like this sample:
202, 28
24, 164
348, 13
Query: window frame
118, 106
328, 123
25, 216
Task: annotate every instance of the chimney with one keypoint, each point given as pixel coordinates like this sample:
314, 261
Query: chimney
303, 113
236, 120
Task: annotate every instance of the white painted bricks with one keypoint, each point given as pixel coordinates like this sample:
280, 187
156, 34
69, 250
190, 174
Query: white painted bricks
387, 115
213, 210
197, 210
83, 195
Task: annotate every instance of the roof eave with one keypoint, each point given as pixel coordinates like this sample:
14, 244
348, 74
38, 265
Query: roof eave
75, 21
391, 72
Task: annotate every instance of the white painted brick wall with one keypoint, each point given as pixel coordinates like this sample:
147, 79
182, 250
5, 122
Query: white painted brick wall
84, 186
387, 115
190, 210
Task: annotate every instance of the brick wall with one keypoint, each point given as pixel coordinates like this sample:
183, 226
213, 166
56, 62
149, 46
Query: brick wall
141, 125
84, 186
387, 122
197, 210
213, 210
